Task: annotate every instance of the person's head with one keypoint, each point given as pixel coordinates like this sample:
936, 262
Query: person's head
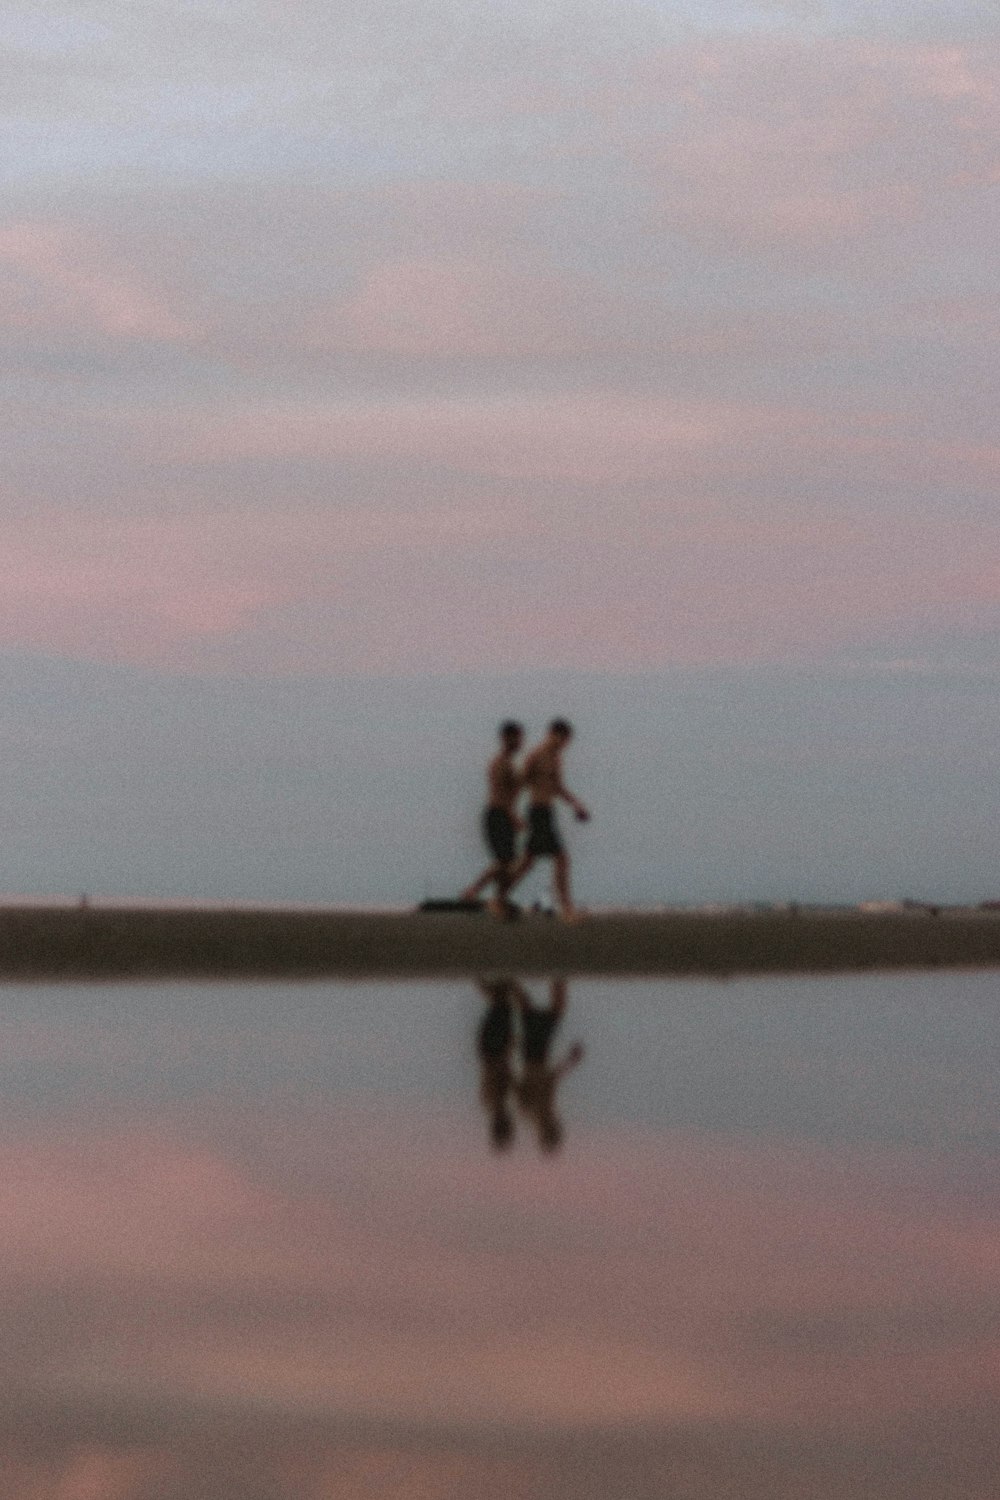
561, 730
511, 734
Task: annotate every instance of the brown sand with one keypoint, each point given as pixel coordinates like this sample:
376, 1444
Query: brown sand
129, 943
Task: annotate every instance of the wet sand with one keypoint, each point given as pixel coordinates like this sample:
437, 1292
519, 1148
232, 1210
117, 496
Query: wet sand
76, 943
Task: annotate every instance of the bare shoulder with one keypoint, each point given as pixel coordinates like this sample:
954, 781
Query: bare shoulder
534, 763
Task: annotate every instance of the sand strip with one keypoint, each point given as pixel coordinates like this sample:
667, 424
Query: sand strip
128, 943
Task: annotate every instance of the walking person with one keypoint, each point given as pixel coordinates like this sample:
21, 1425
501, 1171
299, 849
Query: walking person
501, 822
543, 776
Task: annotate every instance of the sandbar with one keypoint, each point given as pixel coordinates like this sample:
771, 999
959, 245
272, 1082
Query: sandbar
122, 942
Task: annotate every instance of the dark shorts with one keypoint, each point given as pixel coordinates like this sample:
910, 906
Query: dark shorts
496, 1030
537, 1030
543, 835
500, 835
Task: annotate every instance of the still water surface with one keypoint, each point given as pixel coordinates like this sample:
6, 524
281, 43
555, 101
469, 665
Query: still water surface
689, 1240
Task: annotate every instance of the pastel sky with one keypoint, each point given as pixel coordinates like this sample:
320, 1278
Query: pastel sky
605, 340
597, 334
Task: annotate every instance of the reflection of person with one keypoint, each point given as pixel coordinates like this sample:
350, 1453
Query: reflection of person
494, 1045
544, 780
500, 818
540, 1077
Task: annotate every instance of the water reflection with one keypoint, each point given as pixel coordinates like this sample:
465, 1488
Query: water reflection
252, 1246
494, 1048
513, 1018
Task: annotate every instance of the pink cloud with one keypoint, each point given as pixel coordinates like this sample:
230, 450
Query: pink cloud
137, 587
595, 436
516, 505
54, 278
581, 577
943, 72
466, 309
779, 143
128, 585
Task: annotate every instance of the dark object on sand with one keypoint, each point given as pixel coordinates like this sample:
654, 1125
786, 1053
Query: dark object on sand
511, 910
443, 904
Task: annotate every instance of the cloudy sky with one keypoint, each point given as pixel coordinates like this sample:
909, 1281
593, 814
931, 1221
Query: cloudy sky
594, 337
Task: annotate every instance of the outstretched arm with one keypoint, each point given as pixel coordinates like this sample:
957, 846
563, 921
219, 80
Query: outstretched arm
560, 789
563, 791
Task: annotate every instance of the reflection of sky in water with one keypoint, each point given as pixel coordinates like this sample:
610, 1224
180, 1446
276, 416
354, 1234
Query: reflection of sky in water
254, 1244
901, 1058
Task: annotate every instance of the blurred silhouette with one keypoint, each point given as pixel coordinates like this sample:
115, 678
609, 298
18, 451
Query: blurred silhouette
501, 821
494, 1048
536, 1084
540, 1076
543, 776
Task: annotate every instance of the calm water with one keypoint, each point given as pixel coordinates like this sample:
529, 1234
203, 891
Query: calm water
272, 1242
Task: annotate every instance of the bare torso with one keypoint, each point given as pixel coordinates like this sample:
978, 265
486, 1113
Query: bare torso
543, 774
504, 782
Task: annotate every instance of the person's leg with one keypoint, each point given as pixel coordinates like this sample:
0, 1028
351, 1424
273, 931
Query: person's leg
518, 871
498, 832
561, 882
498, 904
489, 875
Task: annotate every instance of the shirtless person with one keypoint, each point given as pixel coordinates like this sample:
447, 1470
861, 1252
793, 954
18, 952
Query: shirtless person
542, 776
501, 822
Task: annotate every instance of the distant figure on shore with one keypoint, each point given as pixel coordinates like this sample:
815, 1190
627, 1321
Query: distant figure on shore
543, 777
540, 1077
494, 1046
501, 821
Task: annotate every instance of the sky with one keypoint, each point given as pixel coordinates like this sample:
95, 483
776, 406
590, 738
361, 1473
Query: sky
608, 343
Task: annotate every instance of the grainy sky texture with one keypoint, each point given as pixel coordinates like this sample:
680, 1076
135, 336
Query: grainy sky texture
421, 338
336, 335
